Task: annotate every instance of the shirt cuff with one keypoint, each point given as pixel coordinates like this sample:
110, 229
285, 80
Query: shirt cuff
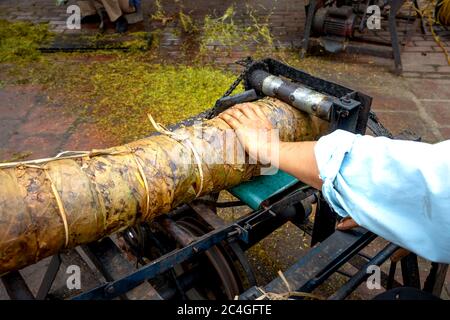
330, 152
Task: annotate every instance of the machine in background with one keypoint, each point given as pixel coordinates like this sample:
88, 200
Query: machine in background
341, 25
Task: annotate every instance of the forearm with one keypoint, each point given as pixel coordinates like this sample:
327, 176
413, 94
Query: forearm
399, 190
298, 159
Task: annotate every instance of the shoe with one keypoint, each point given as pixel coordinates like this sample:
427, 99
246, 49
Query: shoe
121, 24
94, 18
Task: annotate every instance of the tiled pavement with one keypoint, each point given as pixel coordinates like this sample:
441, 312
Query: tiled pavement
424, 58
29, 123
423, 108
33, 127
35, 11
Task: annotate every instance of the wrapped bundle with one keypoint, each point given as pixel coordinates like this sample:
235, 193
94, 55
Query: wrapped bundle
50, 205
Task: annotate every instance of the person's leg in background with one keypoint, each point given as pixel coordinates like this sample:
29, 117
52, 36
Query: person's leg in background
88, 8
116, 10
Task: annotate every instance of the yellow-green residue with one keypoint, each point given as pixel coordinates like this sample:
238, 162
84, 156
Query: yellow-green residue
21, 40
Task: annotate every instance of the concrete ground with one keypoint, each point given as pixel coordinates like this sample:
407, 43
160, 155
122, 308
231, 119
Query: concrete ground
33, 123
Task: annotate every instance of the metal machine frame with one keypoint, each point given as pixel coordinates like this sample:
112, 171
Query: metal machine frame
361, 45
227, 242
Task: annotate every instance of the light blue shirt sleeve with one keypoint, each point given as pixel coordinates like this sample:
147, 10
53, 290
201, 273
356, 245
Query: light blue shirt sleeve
399, 190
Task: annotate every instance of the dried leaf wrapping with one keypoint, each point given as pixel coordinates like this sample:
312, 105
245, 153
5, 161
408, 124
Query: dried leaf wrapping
62, 203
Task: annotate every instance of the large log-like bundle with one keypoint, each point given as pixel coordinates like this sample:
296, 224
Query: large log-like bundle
51, 205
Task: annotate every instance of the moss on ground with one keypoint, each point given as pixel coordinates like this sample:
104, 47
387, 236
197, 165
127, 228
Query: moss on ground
21, 40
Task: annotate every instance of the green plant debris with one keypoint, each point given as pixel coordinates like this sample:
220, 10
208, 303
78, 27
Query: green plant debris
128, 90
224, 31
221, 30
20, 41
139, 42
160, 14
187, 23
117, 91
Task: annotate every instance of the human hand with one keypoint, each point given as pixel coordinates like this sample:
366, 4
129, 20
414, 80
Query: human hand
254, 131
346, 224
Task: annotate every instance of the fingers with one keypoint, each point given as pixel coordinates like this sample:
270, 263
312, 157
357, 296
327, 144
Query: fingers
230, 120
235, 119
247, 109
254, 113
263, 117
247, 114
347, 224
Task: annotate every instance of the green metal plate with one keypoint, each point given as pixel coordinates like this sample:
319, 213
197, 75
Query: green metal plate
255, 191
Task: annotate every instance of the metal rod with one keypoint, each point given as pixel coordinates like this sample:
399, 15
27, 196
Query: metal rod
16, 287
410, 271
436, 278
49, 277
362, 274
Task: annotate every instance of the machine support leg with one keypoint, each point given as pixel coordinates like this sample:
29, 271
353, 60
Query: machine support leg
324, 221
410, 271
308, 26
422, 23
435, 280
391, 277
395, 6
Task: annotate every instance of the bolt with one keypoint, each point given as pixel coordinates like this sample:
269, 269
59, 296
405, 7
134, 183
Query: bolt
345, 100
344, 114
110, 289
314, 108
292, 98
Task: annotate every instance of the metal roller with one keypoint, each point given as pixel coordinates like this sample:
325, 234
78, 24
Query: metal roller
297, 95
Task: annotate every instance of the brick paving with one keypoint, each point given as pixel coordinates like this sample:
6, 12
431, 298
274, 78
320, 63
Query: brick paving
35, 11
422, 57
34, 127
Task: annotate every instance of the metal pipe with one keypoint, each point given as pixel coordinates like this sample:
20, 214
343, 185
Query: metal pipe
299, 96
362, 274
